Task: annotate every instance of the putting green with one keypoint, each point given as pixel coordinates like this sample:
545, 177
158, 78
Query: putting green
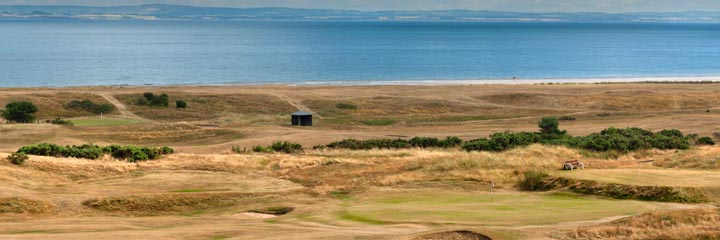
506, 208
103, 122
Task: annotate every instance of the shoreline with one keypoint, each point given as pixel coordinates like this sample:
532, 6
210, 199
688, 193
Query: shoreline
538, 81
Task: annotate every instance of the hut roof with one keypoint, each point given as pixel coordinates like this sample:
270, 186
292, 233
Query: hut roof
302, 113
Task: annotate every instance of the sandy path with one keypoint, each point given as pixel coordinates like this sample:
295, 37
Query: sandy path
296, 104
121, 107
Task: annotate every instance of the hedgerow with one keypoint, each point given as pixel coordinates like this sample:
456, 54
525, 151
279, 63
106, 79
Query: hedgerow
387, 143
90, 151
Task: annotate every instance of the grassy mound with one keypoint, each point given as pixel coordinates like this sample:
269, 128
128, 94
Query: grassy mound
26, 206
167, 203
624, 191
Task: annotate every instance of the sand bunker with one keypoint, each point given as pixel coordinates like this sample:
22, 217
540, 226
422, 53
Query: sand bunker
253, 215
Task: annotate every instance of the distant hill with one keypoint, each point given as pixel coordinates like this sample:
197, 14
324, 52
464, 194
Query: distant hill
174, 12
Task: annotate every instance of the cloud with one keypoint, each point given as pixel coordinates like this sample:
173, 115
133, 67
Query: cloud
503, 5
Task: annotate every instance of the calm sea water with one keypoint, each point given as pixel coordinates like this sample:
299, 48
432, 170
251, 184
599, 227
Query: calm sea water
72, 53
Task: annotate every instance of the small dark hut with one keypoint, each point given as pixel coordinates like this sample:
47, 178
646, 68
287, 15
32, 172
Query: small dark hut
302, 118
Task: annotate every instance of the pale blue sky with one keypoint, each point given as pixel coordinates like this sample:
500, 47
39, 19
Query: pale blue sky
504, 5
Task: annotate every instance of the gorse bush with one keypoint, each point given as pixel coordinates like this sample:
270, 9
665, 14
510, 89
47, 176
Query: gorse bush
18, 158
418, 142
611, 139
90, 151
705, 141
150, 99
180, 104
286, 147
89, 106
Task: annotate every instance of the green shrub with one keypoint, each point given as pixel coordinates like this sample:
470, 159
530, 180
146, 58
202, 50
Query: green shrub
180, 104
261, 149
534, 180
150, 99
611, 139
567, 118
89, 106
90, 151
286, 147
19, 112
18, 158
346, 106
705, 141
60, 121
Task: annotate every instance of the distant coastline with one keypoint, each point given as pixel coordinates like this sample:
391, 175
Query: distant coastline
156, 12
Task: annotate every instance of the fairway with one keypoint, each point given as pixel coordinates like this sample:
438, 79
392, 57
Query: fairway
103, 122
507, 208
648, 177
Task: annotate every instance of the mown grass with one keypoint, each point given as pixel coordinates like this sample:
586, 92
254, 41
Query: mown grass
103, 122
504, 208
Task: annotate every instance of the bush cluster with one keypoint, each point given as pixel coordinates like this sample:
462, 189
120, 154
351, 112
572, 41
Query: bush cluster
150, 99
89, 106
611, 139
387, 143
286, 147
60, 121
17, 158
91, 151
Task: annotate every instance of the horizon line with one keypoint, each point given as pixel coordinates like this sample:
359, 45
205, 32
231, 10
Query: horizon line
364, 11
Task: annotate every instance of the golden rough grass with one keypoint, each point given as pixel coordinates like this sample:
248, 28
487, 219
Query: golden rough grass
393, 167
610, 100
684, 224
51, 105
208, 106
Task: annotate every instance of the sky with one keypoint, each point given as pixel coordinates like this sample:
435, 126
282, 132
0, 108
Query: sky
370, 5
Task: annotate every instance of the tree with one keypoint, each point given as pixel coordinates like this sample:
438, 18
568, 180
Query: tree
549, 125
20, 112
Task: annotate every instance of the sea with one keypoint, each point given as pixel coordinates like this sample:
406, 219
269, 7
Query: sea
57, 53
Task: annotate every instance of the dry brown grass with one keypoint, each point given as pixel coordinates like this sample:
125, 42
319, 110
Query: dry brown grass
610, 100
685, 224
391, 168
24, 206
208, 106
